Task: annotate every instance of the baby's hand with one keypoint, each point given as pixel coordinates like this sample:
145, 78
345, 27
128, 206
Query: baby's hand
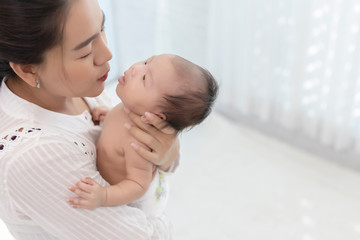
99, 113
91, 194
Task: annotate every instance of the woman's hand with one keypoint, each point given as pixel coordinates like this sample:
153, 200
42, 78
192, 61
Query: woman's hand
158, 136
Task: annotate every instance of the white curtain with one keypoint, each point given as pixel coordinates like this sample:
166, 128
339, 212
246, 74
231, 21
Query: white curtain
291, 66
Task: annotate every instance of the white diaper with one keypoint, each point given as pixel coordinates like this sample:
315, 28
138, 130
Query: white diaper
153, 202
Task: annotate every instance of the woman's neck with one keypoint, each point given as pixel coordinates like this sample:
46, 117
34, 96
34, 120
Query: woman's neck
60, 104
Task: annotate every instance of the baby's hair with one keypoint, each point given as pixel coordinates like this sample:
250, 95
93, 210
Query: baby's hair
194, 104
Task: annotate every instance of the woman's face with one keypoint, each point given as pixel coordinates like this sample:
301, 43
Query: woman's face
78, 66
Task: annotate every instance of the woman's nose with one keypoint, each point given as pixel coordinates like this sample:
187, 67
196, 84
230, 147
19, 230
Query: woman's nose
103, 52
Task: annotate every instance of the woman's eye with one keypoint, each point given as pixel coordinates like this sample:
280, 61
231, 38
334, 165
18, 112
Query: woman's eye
85, 56
145, 62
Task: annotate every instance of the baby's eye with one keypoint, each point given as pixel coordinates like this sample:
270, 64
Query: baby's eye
144, 78
145, 62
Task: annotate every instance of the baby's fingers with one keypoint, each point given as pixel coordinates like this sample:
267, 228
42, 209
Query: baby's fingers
78, 191
85, 184
99, 113
77, 202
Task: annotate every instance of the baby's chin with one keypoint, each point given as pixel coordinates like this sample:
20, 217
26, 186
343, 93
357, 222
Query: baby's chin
118, 93
133, 109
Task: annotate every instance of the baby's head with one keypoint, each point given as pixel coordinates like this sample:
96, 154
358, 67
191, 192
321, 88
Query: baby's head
192, 103
170, 86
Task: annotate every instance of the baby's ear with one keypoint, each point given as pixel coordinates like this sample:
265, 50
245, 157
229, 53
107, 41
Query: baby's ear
161, 115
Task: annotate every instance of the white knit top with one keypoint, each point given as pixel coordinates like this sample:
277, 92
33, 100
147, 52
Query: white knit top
41, 153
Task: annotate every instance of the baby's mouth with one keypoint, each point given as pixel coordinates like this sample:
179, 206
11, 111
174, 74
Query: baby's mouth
121, 79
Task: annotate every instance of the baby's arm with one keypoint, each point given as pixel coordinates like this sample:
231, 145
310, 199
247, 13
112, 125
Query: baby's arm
138, 178
139, 173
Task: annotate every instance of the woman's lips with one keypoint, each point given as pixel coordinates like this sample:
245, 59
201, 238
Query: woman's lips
103, 78
121, 79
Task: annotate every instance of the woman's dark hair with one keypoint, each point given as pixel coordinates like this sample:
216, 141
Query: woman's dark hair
192, 106
28, 28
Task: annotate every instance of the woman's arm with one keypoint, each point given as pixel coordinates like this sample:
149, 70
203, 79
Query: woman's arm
158, 136
37, 181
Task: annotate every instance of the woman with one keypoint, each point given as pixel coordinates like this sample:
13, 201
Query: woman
53, 55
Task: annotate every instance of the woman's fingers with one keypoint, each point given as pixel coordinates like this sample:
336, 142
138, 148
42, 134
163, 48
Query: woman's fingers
141, 124
145, 138
155, 139
145, 153
151, 123
158, 123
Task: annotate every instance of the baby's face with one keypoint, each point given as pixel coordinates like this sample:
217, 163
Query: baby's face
145, 83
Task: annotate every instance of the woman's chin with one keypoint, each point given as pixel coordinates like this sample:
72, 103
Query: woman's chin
96, 92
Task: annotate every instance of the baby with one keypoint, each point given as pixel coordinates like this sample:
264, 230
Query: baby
169, 86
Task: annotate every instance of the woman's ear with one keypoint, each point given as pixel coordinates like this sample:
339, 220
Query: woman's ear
26, 72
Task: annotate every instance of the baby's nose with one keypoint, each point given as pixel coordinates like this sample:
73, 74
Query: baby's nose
135, 69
